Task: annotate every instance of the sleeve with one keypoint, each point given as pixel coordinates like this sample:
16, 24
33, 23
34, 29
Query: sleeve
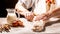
18, 4
19, 7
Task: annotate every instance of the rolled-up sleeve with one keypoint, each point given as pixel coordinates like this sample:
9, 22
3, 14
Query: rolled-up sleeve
18, 4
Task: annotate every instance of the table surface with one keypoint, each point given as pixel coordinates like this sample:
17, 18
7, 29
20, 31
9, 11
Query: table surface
52, 27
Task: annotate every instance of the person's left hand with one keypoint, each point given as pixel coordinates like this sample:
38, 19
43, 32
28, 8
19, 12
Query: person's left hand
41, 17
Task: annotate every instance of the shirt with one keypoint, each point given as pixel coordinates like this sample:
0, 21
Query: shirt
38, 6
26, 3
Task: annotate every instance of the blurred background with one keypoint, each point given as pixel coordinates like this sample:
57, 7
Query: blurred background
10, 3
4, 4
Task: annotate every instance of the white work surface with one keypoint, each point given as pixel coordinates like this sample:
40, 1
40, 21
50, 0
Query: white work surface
53, 28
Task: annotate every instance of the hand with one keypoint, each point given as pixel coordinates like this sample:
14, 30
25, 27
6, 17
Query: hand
29, 16
41, 17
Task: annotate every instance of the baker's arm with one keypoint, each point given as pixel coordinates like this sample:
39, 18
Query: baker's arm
55, 12
21, 10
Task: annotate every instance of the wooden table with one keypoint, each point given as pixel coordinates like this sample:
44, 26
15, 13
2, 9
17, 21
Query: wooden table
54, 28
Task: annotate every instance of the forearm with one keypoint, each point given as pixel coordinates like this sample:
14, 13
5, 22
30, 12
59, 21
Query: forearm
49, 14
54, 12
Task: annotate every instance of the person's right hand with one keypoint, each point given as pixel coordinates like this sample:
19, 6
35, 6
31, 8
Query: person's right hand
29, 16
